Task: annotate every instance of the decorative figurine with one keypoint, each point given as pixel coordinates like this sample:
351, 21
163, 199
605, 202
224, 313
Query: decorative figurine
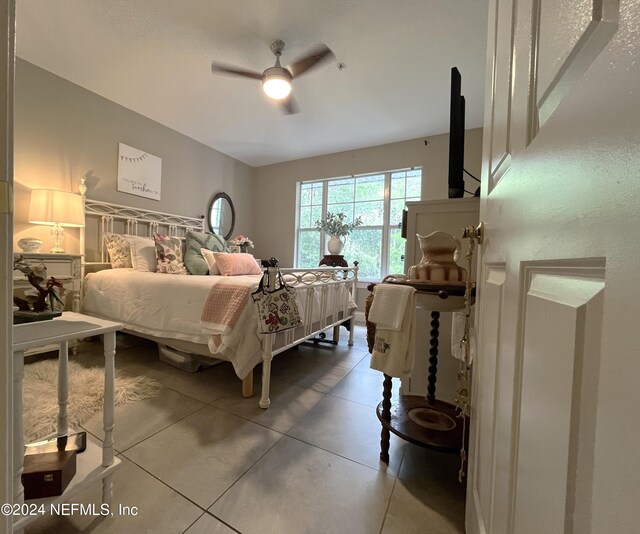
46, 296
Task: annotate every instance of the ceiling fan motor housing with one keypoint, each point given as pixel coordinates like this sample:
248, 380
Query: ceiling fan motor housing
276, 72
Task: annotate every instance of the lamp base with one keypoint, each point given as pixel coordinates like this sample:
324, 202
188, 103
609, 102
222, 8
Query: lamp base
57, 234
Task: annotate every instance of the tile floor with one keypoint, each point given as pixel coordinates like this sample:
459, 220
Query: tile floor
200, 459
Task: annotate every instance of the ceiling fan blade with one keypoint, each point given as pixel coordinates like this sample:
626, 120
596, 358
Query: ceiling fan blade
289, 105
313, 58
225, 69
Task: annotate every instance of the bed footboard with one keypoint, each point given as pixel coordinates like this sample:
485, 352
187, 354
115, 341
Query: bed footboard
334, 288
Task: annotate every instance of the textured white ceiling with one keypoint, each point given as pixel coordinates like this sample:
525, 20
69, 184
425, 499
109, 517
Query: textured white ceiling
154, 57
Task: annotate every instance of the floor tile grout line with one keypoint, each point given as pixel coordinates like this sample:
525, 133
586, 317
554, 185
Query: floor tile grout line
175, 490
323, 394
354, 401
245, 472
262, 424
192, 397
206, 512
194, 522
165, 428
341, 456
257, 397
386, 510
154, 433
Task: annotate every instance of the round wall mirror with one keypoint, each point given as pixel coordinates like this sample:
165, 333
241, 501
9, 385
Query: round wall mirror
222, 215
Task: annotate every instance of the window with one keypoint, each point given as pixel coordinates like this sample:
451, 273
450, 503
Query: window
378, 198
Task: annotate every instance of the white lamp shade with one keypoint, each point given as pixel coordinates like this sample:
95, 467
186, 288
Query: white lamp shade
56, 207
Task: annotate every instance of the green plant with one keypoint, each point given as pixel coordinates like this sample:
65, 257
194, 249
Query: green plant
334, 224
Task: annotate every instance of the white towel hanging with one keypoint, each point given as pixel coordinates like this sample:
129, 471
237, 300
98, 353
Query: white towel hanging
393, 351
389, 305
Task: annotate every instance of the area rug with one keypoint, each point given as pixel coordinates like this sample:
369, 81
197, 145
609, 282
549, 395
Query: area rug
86, 395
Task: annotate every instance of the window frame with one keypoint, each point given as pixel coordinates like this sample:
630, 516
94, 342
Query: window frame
385, 227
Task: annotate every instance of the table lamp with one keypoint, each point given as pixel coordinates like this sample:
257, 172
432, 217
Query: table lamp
57, 209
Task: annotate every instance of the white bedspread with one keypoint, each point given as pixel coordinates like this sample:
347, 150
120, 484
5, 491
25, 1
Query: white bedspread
170, 306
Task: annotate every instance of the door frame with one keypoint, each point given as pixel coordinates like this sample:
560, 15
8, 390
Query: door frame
7, 44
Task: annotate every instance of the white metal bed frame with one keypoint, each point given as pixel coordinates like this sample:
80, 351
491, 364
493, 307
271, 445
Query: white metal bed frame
324, 280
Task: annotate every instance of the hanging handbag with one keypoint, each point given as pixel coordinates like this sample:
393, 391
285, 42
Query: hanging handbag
276, 308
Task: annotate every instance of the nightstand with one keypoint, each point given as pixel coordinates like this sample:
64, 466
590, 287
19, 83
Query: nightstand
63, 267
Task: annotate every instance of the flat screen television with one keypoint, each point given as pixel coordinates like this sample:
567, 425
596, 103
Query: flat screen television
456, 137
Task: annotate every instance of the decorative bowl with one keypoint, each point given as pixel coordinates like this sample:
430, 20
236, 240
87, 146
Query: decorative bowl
30, 244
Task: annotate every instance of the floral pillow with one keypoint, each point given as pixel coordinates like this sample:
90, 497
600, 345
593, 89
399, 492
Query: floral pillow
169, 254
119, 251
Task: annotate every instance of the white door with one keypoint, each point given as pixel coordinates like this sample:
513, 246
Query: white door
555, 442
7, 19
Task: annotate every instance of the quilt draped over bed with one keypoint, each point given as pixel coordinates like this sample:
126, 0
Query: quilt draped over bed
166, 306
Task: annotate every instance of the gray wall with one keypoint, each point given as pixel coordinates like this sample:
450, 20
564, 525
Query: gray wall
274, 191
64, 132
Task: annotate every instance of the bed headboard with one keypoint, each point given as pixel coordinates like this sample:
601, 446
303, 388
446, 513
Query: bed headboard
105, 217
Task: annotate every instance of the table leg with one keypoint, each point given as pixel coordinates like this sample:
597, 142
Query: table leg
386, 415
433, 360
63, 388
108, 412
18, 429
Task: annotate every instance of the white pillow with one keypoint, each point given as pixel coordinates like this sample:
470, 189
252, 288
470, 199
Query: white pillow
143, 253
210, 259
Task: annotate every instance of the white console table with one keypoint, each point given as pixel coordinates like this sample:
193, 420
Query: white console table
95, 463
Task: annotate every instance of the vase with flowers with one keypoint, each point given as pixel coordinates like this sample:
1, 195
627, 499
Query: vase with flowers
243, 243
336, 225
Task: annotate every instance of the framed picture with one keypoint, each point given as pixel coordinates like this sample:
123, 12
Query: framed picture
139, 173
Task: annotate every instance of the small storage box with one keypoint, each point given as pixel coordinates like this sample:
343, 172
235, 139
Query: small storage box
48, 474
185, 360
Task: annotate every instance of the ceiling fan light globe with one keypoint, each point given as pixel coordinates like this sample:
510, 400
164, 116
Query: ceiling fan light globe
277, 83
277, 88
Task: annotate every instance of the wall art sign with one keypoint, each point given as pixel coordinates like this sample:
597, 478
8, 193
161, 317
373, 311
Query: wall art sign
139, 173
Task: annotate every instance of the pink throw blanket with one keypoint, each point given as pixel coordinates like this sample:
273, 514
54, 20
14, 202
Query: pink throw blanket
225, 302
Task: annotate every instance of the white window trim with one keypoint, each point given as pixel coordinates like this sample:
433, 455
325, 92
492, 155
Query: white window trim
385, 227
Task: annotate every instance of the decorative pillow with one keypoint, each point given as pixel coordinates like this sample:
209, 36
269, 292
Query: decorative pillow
236, 264
169, 254
211, 260
143, 253
193, 258
119, 251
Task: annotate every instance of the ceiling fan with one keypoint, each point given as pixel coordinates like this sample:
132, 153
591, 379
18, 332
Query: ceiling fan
276, 80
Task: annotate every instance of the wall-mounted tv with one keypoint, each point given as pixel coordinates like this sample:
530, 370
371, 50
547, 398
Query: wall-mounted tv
456, 137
